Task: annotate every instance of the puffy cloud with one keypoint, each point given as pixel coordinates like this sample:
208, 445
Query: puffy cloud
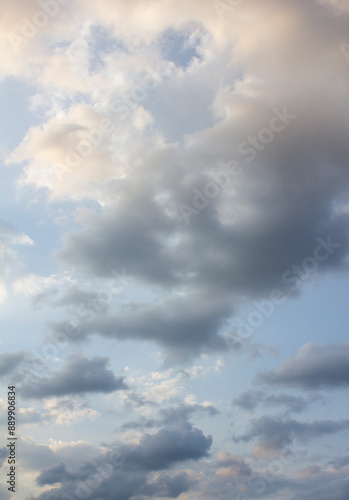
247, 236
314, 366
79, 375
232, 465
57, 412
126, 471
168, 446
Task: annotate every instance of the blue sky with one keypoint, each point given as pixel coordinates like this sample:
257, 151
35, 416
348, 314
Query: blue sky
174, 248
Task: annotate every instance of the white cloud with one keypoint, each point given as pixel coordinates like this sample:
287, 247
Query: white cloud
32, 284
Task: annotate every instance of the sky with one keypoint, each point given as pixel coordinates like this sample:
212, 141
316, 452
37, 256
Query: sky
174, 248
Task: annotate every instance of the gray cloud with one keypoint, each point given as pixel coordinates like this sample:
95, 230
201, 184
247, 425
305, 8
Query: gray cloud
3, 455
78, 376
314, 366
250, 400
55, 474
9, 362
124, 473
169, 486
337, 489
168, 446
232, 466
275, 433
181, 325
4, 493
170, 416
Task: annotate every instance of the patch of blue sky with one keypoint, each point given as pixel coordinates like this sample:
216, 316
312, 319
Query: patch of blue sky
178, 47
15, 114
102, 43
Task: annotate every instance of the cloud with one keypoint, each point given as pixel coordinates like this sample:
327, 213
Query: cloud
232, 465
37, 456
314, 366
168, 416
3, 455
33, 284
9, 362
78, 376
188, 93
250, 400
4, 493
127, 470
9, 237
168, 446
170, 486
319, 482
248, 233
19, 365
55, 474
275, 433
339, 488
177, 323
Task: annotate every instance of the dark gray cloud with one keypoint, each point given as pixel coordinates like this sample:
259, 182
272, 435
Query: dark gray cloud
275, 433
169, 486
79, 375
250, 400
9, 362
19, 365
53, 475
126, 471
180, 324
314, 366
168, 446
